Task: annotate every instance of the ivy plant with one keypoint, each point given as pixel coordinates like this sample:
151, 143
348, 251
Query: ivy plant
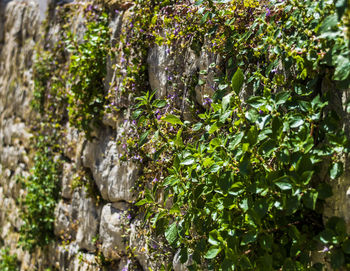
41, 197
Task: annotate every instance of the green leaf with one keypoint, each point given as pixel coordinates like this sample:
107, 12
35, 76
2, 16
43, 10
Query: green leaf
336, 170
330, 22
171, 234
346, 246
256, 101
306, 176
143, 138
172, 119
296, 121
326, 236
178, 140
266, 242
284, 183
213, 128
224, 117
141, 202
214, 168
136, 113
282, 97
214, 236
183, 255
310, 198
212, 252
236, 140
237, 81
197, 126
188, 161
342, 68
159, 103
248, 238
226, 101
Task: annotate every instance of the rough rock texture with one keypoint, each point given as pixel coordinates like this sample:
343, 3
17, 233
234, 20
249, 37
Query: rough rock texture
19, 24
113, 230
113, 177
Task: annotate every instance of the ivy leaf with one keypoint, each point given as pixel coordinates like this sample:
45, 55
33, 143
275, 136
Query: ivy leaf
214, 168
213, 128
226, 101
282, 97
143, 138
248, 238
214, 236
256, 101
330, 22
310, 199
212, 252
236, 140
136, 113
336, 170
342, 68
188, 161
237, 81
171, 234
197, 126
159, 103
296, 121
172, 119
283, 183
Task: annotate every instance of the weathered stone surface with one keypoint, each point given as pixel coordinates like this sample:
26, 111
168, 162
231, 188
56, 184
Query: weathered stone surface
168, 66
113, 230
88, 222
139, 246
158, 61
208, 63
73, 143
67, 180
63, 220
84, 262
113, 177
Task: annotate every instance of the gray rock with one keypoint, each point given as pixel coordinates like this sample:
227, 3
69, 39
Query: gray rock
207, 89
67, 179
113, 177
63, 220
114, 230
88, 222
158, 63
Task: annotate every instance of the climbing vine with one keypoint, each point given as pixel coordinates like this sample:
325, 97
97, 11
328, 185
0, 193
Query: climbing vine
243, 178
240, 182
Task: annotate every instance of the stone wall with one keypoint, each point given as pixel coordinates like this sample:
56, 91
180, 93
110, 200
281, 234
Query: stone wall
88, 224
19, 26
85, 225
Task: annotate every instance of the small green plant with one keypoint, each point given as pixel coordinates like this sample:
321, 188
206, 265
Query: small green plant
8, 262
87, 71
42, 191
